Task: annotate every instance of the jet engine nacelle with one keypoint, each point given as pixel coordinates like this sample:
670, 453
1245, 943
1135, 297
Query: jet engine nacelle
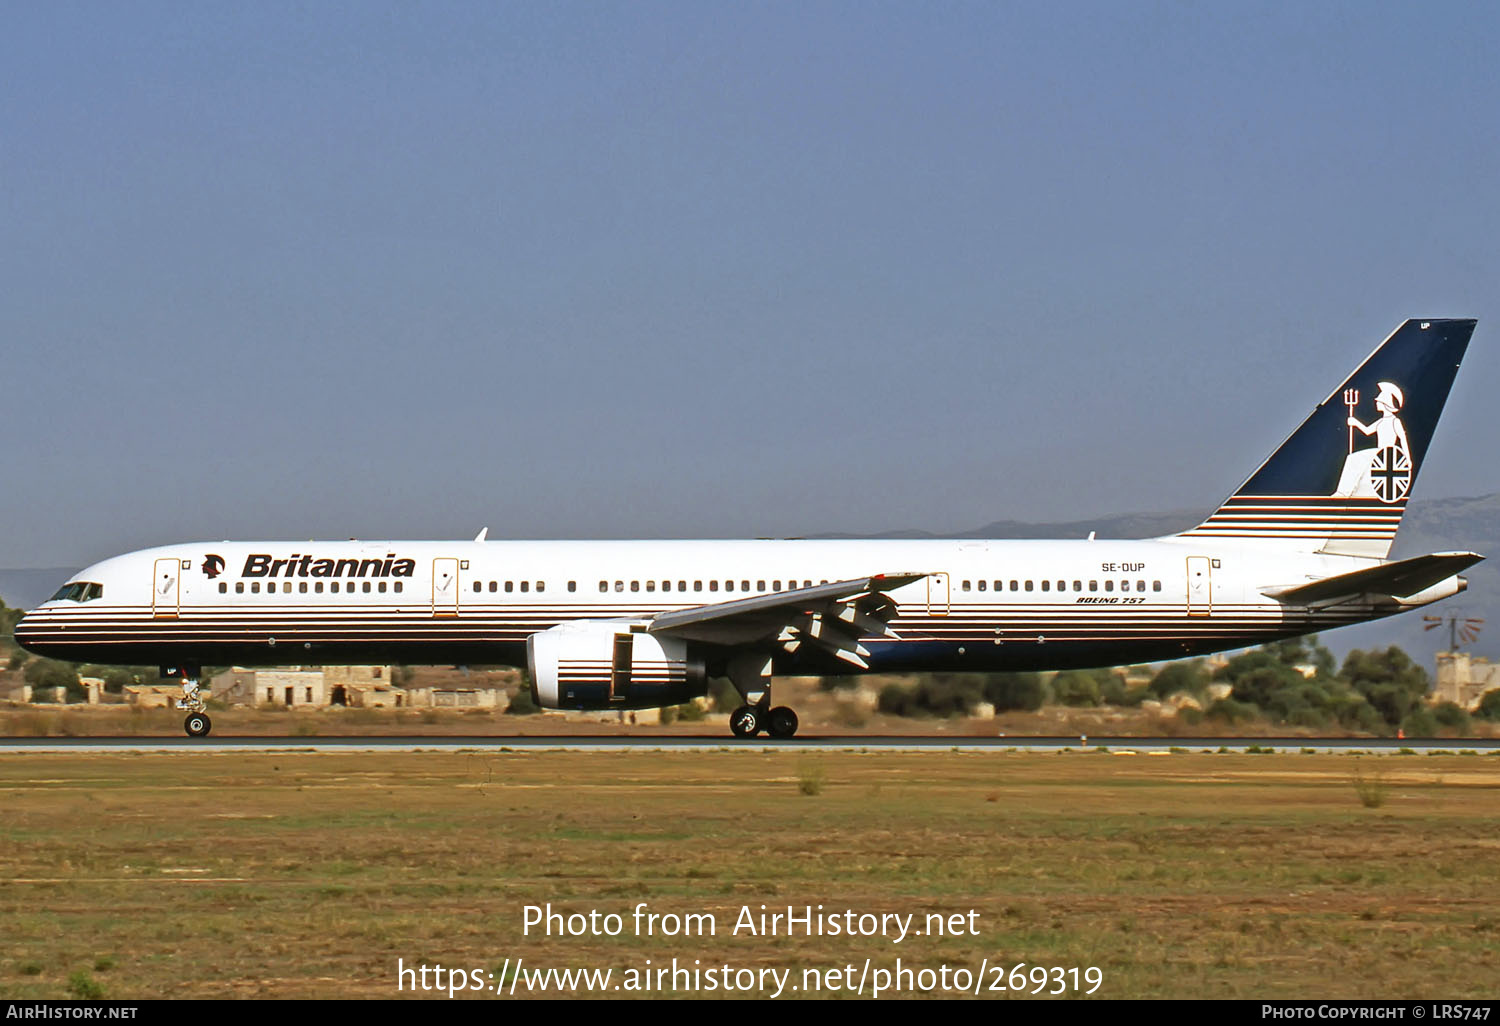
595, 664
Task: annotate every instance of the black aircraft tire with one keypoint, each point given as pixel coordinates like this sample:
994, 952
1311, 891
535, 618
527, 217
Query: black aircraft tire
745, 721
197, 724
782, 723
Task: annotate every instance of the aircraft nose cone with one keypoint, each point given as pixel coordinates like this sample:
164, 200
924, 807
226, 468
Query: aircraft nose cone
26, 631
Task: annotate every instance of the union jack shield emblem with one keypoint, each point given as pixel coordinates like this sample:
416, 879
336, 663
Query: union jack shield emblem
1390, 474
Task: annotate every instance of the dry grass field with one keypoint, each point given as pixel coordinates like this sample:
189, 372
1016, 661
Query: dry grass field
309, 875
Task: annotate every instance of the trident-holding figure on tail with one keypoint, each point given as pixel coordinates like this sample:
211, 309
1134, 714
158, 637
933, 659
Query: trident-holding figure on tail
1384, 471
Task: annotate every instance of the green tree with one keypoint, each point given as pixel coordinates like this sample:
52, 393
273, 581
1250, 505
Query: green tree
1420, 723
49, 673
1011, 691
1489, 706
1451, 715
1389, 680
1227, 710
1189, 678
1076, 688
13, 654
521, 703
934, 694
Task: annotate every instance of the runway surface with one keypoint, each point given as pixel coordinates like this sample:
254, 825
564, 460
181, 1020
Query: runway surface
710, 743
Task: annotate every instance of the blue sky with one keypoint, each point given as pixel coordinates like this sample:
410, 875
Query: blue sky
712, 269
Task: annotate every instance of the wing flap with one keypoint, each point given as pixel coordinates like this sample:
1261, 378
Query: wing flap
1399, 579
832, 616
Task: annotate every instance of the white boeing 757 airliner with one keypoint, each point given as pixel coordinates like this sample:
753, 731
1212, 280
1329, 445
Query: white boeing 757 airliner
1301, 546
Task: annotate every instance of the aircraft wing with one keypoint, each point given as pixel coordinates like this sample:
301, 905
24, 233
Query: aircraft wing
832, 617
1398, 580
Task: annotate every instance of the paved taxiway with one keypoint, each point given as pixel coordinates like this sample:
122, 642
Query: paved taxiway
708, 743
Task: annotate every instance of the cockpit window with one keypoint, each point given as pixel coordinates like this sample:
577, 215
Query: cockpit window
78, 591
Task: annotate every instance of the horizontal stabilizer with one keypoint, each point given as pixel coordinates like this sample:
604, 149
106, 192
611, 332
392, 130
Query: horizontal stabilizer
1398, 580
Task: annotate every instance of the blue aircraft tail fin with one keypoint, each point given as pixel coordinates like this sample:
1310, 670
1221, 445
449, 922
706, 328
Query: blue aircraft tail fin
1340, 483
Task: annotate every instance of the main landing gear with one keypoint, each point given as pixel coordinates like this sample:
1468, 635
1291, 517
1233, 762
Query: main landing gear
749, 720
197, 722
751, 676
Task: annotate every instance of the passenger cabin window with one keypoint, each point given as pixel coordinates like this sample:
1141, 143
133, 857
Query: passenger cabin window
525, 585
1046, 585
397, 587
494, 587
223, 587
966, 586
572, 585
1028, 585
981, 585
603, 586
1156, 586
510, 586
1109, 585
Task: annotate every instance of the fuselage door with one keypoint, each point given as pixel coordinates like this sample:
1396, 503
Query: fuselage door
619, 685
937, 594
444, 587
1200, 589
165, 585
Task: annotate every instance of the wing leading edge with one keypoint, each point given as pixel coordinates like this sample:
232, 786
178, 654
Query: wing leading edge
832, 617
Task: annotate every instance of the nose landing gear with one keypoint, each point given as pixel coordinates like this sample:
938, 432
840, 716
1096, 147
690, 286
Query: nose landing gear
197, 722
